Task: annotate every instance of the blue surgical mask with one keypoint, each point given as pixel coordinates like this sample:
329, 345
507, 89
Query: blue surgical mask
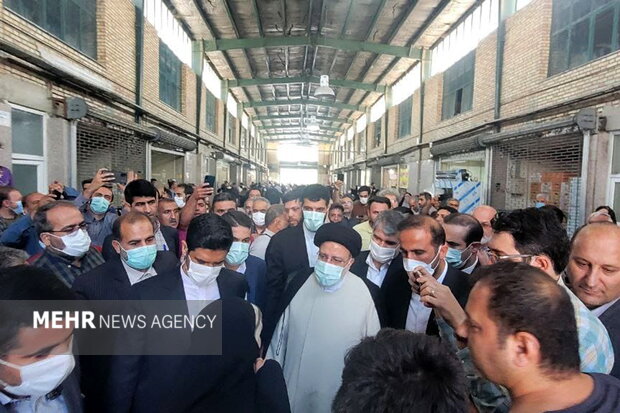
455, 257
313, 220
327, 274
539, 204
99, 205
140, 258
19, 209
238, 253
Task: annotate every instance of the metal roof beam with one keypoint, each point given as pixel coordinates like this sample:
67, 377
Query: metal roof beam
314, 40
278, 117
297, 127
284, 102
352, 84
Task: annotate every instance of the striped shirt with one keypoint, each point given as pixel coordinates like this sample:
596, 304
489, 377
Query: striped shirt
64, 268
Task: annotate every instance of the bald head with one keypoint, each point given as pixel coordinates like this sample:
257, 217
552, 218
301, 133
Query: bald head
594, 264
485, 214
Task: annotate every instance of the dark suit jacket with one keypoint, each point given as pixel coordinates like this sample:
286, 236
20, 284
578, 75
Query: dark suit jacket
398, 295
285, 255
611, 320
360, 268
227, 382
170, 235
138, 383
107, 282
70, 390
256, 276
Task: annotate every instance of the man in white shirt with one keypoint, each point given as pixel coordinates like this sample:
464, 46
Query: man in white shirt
463, 236
275, 220
594, 273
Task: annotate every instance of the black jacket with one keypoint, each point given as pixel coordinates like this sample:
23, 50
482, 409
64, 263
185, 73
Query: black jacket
398, 295
360, 268
285, 255
227, 382
611, 320
138, 383
170, 235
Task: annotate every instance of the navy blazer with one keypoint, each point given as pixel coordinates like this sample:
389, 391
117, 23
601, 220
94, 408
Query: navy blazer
398, 295
170, 235
138, 383
285, 255
256, 276
611, 320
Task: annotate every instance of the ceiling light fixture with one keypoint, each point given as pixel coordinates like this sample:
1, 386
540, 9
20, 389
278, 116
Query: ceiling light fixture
324, 92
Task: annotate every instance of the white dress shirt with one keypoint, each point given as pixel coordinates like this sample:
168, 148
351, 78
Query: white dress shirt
160, 240
598, 311
418, 314
29, 405
135, 276
311, 249
374, 274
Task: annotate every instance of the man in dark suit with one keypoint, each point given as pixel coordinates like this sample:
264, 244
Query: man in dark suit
54, 385
463, 236
594, 273
138, 382
141, 196
423, 247
293, 248
136, 259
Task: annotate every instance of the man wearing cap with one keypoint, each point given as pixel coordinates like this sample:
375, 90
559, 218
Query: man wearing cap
329, 311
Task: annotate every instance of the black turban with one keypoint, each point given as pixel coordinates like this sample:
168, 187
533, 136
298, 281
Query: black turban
339, 234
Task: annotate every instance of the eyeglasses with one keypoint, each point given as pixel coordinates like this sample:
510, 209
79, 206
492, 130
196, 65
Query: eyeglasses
71, 229
494, 257
334, 260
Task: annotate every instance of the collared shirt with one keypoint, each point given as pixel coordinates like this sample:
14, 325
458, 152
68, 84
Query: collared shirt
98, 229
63, 267
374, 274
418, 314
598, 311
260, 244
135, 276
160, 240
470, 269
53, 402
242, 268
311, 249
595, 348
365, 231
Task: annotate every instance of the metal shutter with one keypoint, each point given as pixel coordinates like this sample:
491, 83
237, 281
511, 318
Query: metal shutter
522, 168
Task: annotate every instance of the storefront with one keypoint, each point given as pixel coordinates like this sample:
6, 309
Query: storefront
463, 176
167, 164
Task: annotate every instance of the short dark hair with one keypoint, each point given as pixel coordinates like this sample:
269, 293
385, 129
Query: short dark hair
5, 191
187, 188
536, 232
316, 192
237, 219
401, 371
336, 206
19, 286
380, 200
426, 195
610, 211
559, 214
449, 209
41, 223
294, 195
209, 231
12, 257
427, 223
139, 188
474, 229
131, 218
224, 196
523, 298
364, 188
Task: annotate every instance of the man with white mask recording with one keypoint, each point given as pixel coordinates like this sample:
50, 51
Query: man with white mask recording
68, 253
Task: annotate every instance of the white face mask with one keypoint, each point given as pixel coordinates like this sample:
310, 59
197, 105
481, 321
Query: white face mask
259, 218
76, 243
202, 275
41, 377
364, 200
180, 201
410, 264
381, 254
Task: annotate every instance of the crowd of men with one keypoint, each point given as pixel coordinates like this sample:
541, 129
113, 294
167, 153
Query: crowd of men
361, 301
